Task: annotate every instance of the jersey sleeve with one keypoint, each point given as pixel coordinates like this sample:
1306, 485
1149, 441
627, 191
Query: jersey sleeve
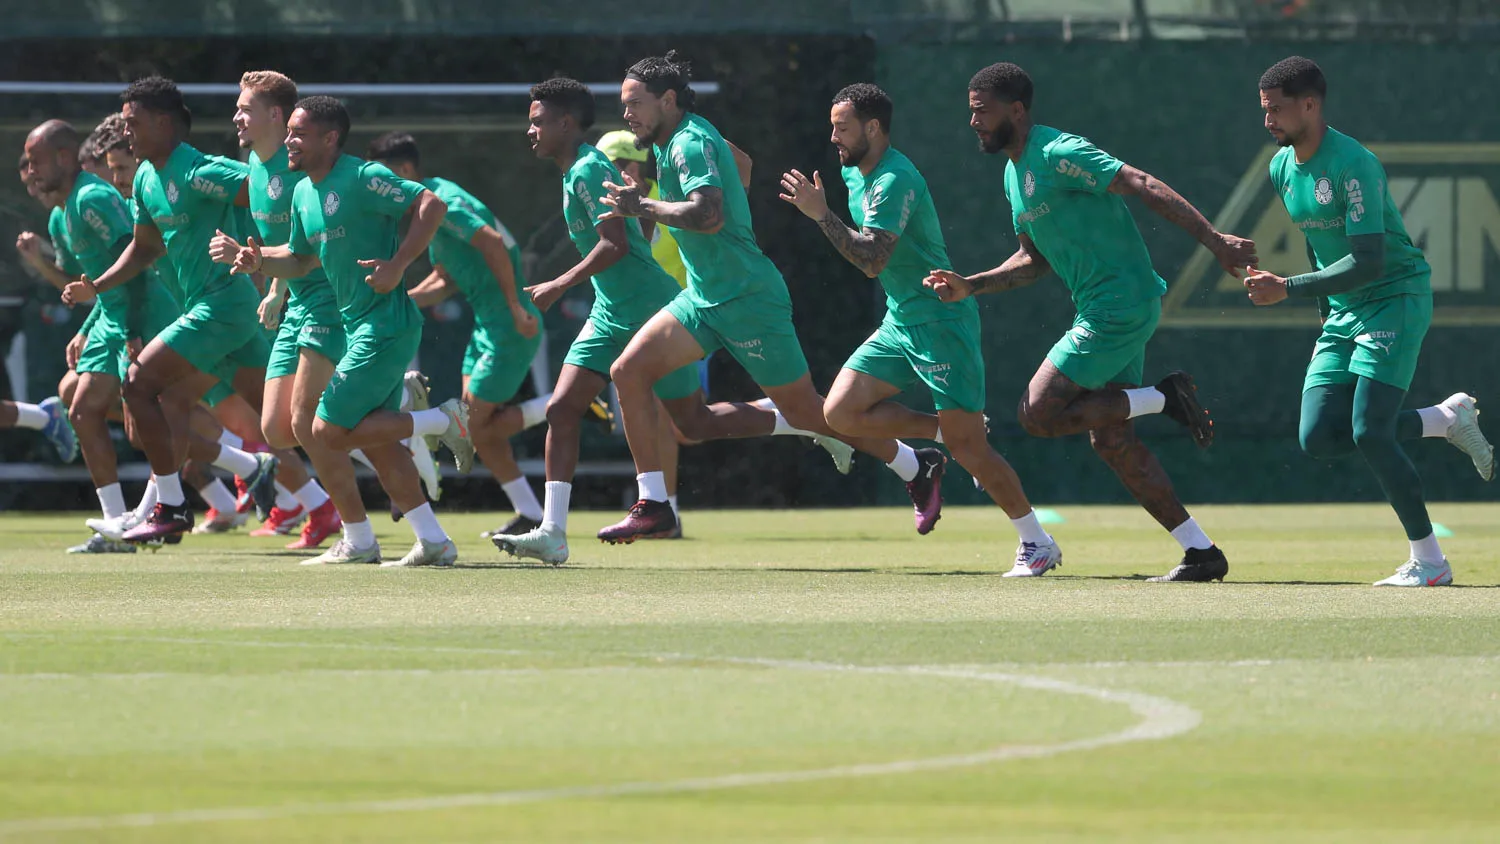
697, 162
141, 215
61, 256
385, 193
889, 201
587, 188
104, 211
1079, 165
296, 241
1362, 188
218, 178
462, 220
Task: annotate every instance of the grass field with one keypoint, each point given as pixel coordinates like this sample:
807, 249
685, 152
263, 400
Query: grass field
803, 676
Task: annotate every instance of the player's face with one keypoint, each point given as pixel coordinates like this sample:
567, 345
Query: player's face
149, 133
547, 130
992, 119
1286, 117
96, 166
44, 168
26, 182
851, 136
308, 145
643, 109
121, 165
253, 119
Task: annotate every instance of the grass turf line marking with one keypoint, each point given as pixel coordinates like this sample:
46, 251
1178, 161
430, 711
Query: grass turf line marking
1161, 718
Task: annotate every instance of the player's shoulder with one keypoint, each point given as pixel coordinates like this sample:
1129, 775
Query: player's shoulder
1279, 161
1349, 152
1056, 144
897, 167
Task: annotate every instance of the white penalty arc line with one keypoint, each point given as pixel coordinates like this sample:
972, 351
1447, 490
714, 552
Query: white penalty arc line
1160, 719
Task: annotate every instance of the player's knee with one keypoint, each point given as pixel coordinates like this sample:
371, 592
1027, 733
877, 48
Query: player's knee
1369, 435
1112, 444
841, 416
330, 436
561, 414
1321, 443
1033, 421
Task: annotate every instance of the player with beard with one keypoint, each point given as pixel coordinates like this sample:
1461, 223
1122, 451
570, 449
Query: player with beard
897, 239
1068, 209
736, 299
1374, 288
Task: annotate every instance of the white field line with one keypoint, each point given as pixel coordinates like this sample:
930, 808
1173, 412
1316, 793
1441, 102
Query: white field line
1160, 719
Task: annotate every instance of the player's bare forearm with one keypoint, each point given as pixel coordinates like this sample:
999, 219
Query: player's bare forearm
279, 262
427, 215
703, 211
137, 256
1019, 270
497, 257
612, 247
432, 290
1167, 203
869, 249
51, 273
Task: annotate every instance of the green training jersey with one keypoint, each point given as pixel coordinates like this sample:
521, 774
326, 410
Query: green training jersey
728, 264
188, 200
452, 250
1341, 192
631, 290
271, 185
894, 198
354, 214
1059, 197
160, 274
91, 230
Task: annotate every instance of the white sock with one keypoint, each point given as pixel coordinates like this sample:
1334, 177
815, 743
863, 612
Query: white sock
360, 534
405, 398
939, 438
284, 498
231, 439
428, 423
111, 500
311, 495
359, 454
424, 523
652, 486
534, 411
30, 416
672, 500
148, 500
169, 490
218, 496
1030, 530
1189, 535
906, 464
764, 404
1144, 400
784, 428
555, 514
231, 459
1427, 550
1436, 420
522, 498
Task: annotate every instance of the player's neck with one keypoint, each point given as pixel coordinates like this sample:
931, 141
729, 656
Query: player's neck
161, 161
1308, 146
569, 154
318, 174
69, 181
872, 158
1017, 145
668, 129
266, 148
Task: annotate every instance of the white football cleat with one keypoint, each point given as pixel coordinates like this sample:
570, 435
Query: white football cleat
1464, 434
343, 552
101, 544
841, 452
113, 528
425, 553
1415, 573
456, 437
548, 546
1035, 560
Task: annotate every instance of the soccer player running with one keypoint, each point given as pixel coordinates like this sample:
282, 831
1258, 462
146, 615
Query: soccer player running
897, 239
629, 289
345, 219
1373, 287
736, 299
475, 255
310, 333
1067, 205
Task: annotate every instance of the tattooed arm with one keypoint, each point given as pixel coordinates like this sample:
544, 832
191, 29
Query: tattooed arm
702, 211
1019, 270
868, 249
1234, 253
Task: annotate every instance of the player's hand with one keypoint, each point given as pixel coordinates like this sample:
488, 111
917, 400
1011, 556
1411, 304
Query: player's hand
78, 292
948, 285
624, 199
133, 348
269, 312
807, 194
74, 350
1234, 253
525, 321
1264, 288
30, 247
224, 249
546, 294
383, 277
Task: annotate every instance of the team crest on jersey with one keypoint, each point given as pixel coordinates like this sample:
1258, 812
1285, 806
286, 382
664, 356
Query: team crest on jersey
1028, 184
273, 187
1323, 191
331, 204
172, 193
